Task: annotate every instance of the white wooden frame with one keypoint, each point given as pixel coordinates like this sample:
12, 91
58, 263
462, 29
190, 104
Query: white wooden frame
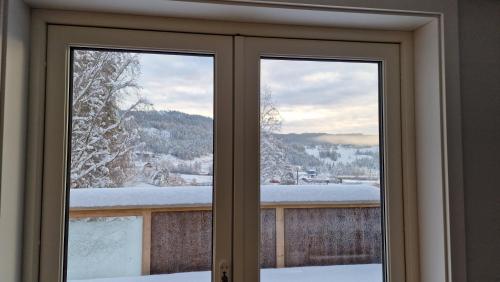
247, 97
54, 205
430, 261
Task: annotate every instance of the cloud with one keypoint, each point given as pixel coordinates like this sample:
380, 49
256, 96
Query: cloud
178, 82
312, 96
321, 77
323, 96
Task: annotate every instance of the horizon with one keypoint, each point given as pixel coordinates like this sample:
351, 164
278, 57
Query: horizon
278, 133
311, 96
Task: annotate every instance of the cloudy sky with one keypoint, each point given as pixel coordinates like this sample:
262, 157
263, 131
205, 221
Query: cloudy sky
178, 83
312, 96
323, 96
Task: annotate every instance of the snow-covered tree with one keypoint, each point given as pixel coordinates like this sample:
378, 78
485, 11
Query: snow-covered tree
162, 177
103, 133
289, 176
273, 161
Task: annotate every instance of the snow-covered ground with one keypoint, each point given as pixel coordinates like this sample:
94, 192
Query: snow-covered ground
196, 178
336, 273
361, 181
202, 195
206, 161
347, 153
314, 151
198, 171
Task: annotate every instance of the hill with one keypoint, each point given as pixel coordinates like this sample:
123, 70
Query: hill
186, 138
181, 135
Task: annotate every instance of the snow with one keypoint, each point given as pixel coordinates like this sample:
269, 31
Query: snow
314, 151
202, 195
189, 178
140, 196
347, 153
205, 161
104, 247
360, 181
338, 193
336, 273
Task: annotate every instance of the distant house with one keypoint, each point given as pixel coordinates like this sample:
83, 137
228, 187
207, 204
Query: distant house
148, 169
311, 173
145, 156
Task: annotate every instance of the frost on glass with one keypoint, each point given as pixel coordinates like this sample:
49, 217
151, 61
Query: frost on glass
104, 247
319, 144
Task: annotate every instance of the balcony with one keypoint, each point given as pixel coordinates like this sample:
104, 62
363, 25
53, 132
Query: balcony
308, 233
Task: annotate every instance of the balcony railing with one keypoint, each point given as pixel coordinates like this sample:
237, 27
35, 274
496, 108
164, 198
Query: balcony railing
312, 225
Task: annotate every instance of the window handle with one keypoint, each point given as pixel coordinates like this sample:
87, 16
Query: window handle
224, 268
224, 277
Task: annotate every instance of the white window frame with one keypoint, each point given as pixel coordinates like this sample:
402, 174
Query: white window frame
422, 134
247, 96
60, 40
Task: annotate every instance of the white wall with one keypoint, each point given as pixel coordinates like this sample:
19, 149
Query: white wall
14, 135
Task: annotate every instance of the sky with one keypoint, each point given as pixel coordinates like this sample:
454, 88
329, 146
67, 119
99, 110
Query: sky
178, 82
311, 96
323, 96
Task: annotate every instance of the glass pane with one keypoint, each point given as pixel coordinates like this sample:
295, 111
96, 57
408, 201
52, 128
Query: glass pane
141, 167
320, 171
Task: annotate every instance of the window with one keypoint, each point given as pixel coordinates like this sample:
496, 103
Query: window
125, 204
320, 169
141, 130
148, 180
309, 231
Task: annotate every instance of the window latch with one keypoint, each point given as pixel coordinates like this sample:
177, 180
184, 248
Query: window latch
224, 277
224, 268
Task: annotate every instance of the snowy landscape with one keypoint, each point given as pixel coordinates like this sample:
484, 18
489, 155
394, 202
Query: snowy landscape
175, 149
120, 137
142, 132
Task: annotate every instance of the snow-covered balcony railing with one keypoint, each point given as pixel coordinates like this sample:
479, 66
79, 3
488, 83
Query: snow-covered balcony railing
301, 225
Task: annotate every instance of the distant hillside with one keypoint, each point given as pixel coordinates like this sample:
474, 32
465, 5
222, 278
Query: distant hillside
187, 137
179, 134
313, 139
322, 151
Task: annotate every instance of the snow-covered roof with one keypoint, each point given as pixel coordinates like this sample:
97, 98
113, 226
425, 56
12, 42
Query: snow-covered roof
182, 196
